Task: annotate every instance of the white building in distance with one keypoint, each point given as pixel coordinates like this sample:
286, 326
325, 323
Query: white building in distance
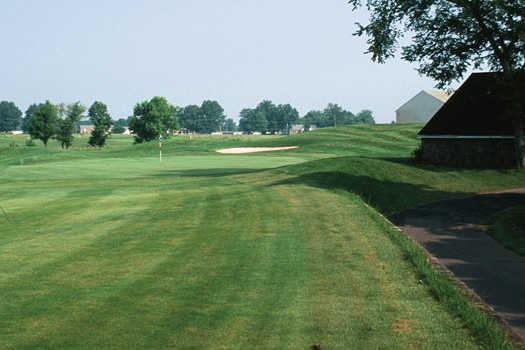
422, 107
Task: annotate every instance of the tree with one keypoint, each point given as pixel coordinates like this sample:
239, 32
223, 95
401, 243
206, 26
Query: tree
122, 122
189, 117
287, 115
212, 117
252, 120
119, 126
10, 116
269, 110
450, 37
152, 119
334, 114
118, 129
313, 118
366, 116
101, 120
44, 122
67, 124
27, 119
229, 125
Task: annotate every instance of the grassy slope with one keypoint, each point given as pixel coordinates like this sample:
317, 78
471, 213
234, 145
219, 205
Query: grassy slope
508, 228
110, 249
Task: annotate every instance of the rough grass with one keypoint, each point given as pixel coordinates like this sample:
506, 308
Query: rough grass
508, 228
112, 249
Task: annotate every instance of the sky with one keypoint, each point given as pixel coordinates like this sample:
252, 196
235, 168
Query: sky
237, 52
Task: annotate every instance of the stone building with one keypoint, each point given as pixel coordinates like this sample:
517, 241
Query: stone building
471, 129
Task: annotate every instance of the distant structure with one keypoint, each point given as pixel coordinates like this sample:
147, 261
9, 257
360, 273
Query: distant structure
422, 107
296, 129
16, 132
86, 129
470, 129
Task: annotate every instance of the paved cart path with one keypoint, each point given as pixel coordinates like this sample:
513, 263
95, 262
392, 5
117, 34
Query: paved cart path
453, 232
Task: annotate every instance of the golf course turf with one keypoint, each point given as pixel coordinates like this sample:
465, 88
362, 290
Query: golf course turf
112, 249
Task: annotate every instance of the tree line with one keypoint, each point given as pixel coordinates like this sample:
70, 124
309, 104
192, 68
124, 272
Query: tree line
270, 118
46, 120
157, 117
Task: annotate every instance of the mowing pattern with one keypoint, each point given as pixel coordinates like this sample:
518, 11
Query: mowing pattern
111, 249
210, 261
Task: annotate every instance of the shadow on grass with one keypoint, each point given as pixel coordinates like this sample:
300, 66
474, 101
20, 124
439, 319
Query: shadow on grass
385, 195
411, 162
212, 172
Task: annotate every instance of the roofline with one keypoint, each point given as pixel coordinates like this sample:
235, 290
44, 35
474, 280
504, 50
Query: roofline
416, 95
463, 137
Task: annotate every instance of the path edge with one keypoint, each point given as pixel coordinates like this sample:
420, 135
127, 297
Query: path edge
462, 287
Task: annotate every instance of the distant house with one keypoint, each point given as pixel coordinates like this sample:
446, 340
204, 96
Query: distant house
422, 107
16, 132
86, 129
126, 131
470, 130
296, 129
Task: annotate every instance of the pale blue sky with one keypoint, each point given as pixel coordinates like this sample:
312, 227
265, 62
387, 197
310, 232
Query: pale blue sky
237, 52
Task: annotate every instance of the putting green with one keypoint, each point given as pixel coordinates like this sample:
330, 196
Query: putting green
106, 168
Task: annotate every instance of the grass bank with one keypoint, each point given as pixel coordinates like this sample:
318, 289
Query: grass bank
508, 228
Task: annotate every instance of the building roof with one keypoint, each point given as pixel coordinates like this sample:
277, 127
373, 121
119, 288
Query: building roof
441, 95
475, 109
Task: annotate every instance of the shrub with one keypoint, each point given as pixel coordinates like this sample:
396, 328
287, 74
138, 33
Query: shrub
30, 142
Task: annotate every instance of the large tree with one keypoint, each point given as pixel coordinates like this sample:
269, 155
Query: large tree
269, 110
152, 119
189, 117
313, 118
451, 37
67, 123
44, 122
212, 117
287, 115
252, 120
10, 116
335, 115
101, 120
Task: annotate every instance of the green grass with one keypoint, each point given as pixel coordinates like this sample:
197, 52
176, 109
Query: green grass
112, 249
508, 228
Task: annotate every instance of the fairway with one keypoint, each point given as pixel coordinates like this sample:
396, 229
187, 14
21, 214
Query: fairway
114, 249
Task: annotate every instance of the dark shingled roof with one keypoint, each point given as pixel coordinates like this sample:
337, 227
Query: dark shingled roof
475, 109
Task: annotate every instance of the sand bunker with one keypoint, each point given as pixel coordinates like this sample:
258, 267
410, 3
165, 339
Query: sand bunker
253, 149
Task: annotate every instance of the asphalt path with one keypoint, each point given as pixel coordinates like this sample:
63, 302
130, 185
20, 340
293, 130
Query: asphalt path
453, 231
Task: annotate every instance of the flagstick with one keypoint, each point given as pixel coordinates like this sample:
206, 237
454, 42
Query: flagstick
160, 148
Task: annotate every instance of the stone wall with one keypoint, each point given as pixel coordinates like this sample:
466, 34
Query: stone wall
471, 153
